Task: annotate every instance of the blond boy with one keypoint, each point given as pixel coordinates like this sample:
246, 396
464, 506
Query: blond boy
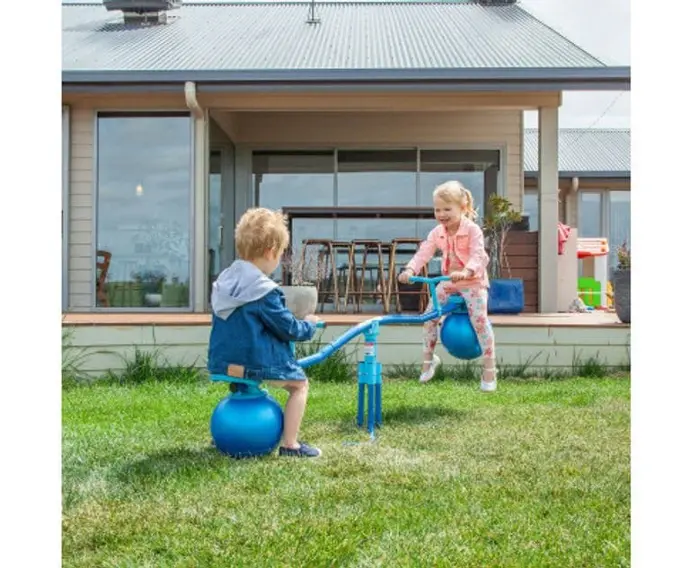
252, 328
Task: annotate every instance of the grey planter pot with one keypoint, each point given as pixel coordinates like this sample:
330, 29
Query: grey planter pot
300, 300
621, 294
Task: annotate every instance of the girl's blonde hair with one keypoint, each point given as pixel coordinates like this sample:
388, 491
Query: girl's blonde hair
454, 192
260, 230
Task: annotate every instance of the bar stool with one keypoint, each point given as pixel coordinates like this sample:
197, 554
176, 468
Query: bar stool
366, 247
342, 273
329, 275
386, 248
404, 246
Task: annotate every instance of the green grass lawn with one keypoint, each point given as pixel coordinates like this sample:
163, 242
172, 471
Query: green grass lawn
535, 475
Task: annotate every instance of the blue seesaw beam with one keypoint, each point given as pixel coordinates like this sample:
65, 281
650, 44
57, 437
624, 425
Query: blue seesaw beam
365, 326
369, 370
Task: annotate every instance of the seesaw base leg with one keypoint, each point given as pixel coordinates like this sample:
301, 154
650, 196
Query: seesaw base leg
369, 397
377, 392
370, 409
360, 405
369, 384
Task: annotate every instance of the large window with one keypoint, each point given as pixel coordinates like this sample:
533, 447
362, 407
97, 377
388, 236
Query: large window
143, 210
367, 178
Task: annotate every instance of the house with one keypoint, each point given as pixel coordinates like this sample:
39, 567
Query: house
178, 116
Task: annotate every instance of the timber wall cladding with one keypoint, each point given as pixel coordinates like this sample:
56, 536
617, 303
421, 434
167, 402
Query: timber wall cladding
522, 250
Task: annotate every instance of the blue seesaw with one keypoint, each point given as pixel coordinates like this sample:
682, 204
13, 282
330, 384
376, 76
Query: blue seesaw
249, 422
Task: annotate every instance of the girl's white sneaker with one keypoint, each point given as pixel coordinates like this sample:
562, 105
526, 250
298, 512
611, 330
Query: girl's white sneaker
427, 375
489, 386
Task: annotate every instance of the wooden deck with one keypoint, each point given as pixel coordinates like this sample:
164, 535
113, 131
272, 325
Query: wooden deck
592, 319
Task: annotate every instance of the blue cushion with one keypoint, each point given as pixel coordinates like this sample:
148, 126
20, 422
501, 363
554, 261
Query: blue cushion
506, 296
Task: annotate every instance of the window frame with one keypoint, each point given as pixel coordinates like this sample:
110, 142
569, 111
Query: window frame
502, 149
143, 113
502, 182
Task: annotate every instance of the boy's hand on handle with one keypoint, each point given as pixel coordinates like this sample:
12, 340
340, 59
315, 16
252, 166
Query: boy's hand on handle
311, 318
404, 276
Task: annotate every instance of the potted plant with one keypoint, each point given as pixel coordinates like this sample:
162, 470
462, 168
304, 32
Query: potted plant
151, 282
301, 294
621, 284
506, 295
168, 242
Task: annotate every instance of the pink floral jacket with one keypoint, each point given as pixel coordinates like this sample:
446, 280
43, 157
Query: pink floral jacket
465, 248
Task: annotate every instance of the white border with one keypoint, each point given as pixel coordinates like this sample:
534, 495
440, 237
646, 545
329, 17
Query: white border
31, 202
659, 209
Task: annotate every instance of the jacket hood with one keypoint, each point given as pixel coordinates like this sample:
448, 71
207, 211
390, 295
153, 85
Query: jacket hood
242, 282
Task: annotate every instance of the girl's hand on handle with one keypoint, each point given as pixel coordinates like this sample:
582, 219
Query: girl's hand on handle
463, 274
404, 276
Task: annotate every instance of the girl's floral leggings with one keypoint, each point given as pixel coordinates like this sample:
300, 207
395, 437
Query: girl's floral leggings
477, 300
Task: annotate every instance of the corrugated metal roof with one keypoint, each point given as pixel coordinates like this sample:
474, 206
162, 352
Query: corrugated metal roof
354, 35
596, 152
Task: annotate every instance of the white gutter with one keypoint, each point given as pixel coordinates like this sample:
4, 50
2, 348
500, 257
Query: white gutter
200, 207
191, 100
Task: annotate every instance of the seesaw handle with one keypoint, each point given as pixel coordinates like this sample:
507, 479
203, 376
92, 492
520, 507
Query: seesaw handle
320, 324
432, 288
425, 280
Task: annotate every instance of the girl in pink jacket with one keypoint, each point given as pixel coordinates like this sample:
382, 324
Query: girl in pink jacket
464, 259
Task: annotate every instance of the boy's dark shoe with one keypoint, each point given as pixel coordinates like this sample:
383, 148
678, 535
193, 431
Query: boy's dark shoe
304, 451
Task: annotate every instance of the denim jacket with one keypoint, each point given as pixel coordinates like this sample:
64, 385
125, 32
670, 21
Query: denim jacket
252, 326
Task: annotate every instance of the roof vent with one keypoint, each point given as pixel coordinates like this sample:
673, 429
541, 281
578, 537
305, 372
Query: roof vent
143, 11
312, 18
